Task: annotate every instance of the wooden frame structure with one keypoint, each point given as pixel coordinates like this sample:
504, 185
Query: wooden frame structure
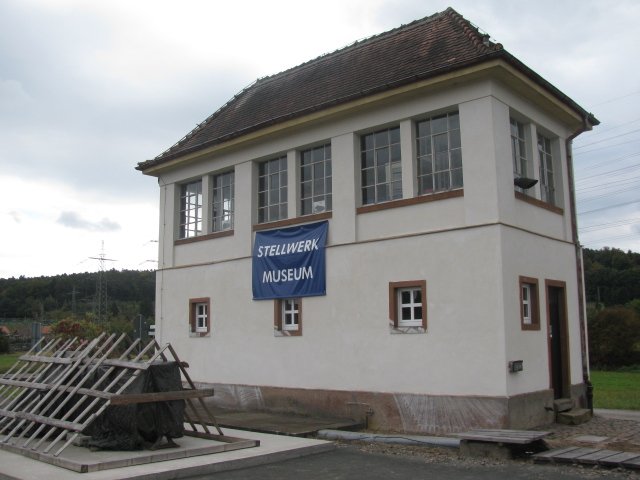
57, 389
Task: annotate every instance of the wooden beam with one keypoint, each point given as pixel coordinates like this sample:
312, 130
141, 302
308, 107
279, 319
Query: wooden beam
45, 359
129, 399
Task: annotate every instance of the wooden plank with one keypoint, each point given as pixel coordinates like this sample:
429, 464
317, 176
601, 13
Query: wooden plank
633, 463
128, 399
43, 359
548, 456
520, 437
572, 456
616, 460
31, 417
126, 364
593, 458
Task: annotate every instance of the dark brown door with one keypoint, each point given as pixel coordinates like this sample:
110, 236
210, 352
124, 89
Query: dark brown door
558, 345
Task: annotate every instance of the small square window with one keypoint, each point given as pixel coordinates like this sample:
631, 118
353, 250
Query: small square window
529, 308
287, 317
199, 317
407, 306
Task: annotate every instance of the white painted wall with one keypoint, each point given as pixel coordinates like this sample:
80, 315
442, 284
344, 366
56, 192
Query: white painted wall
470, 250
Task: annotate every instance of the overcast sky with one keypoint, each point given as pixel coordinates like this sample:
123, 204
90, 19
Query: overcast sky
90, 88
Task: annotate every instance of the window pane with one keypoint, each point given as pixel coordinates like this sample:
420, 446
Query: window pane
382, 193
438, 125
405, 297
367, 159
368, 195
381, 138
406, 313
382, 156
394, 135
454, 137
454, 121
417, 313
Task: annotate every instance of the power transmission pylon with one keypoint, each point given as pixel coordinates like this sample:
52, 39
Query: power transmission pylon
100, 304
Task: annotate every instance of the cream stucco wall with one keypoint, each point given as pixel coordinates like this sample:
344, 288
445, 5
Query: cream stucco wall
470, 250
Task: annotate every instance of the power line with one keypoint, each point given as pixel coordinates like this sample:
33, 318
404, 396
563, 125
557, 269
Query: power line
607, 139
609, 207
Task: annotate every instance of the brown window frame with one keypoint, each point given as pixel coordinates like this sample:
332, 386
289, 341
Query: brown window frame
193, 302
393, 301
534, 303
278, 321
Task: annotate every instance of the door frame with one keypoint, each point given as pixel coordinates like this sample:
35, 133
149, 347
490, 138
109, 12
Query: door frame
564, 362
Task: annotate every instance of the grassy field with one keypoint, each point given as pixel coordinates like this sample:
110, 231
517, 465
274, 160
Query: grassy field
618, 390
7, 360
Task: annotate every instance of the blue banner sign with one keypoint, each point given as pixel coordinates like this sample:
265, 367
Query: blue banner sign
290, 262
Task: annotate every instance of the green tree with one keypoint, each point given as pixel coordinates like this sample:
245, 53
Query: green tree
614, 334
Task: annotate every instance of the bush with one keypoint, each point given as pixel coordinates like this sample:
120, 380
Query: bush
69, 328
614, 337
4, 344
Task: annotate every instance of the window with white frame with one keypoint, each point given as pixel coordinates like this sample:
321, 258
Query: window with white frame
288, 317
547, 181
439, 153
381, 166
518, 149
315, 180
407, 304
222, 201
190, 209
199, 324
272, 190
529, 308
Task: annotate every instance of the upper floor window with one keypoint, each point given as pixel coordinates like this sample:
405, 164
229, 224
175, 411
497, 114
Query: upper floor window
315, 180
222, 201
439, 153
518, 149
191, 209
272, 190
380, 164
547, 183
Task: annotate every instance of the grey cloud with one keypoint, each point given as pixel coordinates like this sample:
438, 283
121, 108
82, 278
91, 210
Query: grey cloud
73, 220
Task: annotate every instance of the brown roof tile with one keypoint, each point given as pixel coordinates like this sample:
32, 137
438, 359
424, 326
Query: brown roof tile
422, 49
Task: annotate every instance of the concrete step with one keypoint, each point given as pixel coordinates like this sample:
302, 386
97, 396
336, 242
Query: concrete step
577, 416
563, 405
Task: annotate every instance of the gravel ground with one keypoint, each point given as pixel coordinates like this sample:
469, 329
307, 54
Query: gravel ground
438, 455
623, 435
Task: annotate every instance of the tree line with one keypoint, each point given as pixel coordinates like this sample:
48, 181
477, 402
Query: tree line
53, 298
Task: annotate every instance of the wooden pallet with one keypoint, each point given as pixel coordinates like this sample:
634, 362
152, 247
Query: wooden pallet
55, 391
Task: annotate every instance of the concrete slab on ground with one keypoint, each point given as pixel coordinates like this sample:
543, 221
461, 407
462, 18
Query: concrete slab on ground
273, 448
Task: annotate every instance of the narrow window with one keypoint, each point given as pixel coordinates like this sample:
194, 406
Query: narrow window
407, 304
191, 209
439, 154
272, 190
223, 202
547, 185
199, 324
380, 166
529, 309
518, 149
288, 317
315, 180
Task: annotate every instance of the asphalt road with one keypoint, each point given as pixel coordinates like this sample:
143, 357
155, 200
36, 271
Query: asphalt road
350, 463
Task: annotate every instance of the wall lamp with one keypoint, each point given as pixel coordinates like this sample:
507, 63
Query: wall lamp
524, 182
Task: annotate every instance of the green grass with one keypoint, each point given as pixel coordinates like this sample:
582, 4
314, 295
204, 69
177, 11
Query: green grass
617, 390
7, 360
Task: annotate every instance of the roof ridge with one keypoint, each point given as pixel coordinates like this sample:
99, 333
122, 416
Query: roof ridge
363, 42
481, 41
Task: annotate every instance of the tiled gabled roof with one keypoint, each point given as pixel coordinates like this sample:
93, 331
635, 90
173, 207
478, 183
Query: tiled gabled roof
422, 49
